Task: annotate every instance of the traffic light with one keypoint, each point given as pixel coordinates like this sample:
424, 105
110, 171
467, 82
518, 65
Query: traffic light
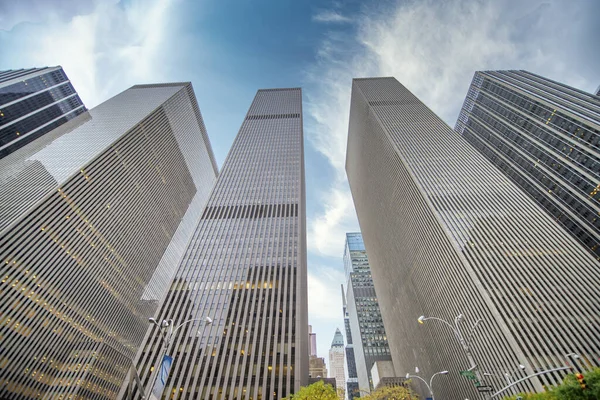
581, 379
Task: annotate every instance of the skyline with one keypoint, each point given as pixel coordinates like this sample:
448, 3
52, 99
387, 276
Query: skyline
335, 43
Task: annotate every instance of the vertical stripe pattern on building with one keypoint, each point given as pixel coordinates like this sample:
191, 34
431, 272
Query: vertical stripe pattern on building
86, 258
545, 136
33, 102
245, 268
447, 234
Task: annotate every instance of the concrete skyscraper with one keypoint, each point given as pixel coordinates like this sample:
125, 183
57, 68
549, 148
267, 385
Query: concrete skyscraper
352, 389
336, 362
32, 103
368, 333
94, 215
545, 136
245, 267
447, 233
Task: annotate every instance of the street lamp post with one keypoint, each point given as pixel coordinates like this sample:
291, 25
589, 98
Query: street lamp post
167, 334
430, 384
464, 342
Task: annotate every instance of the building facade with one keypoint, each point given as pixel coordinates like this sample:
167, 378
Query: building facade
32, 103
78, 204
245, 267
449, 234
316, 364
352, 390
336, 362
364, 317
545, 136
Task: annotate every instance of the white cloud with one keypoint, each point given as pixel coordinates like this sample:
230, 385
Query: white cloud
330, 16
103, 51
433, 48
324, 294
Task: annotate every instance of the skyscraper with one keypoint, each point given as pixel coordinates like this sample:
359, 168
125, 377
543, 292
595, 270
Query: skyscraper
448, 234
94, 216
336, 362
368, 333
245, 267
352, 390
32, 103
545, 136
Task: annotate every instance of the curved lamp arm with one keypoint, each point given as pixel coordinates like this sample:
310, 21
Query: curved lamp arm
422, 319
408, 376
207, 321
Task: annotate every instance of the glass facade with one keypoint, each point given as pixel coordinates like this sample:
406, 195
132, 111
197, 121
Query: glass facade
364, 321
76, 291
245, 267
545, 137
448, 233
32, 103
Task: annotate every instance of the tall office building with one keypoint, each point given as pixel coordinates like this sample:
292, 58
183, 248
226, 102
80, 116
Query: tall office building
447, 233
366, 325
545, 136
352, 390
93, 217
336, 362
32, 103
245, 267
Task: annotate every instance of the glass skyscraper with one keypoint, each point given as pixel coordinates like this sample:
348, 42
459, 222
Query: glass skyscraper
32, 103
93, 217
364, 317
447, 233
545, 136
245, 267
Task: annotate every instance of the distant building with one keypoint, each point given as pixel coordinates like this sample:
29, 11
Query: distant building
316, 364
336, 361
364, 317
545, 137
32, 103
352, 389
449, 234
598, 91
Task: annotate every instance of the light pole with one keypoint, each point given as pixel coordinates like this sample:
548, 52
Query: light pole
167, 333
429, 385
462, 340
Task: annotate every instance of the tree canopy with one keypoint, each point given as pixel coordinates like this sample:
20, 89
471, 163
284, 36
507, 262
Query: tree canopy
570, 389
391, 393
316, 391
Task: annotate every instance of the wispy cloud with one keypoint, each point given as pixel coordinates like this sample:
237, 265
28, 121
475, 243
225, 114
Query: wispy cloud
103, 49
433, 47
330, 16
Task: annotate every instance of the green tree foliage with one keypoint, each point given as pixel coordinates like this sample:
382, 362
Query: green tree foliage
570, 389
316, 391
391, 393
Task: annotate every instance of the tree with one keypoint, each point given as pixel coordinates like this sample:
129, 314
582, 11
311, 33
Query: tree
570, 389
391, 393
316, 391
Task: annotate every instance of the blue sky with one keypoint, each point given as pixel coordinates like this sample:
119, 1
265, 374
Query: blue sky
229, 49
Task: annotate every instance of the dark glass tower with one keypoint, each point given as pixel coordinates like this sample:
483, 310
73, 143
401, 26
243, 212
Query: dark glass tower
32, 103
245, 267
352, 389
545, 136
447, 233
362, 307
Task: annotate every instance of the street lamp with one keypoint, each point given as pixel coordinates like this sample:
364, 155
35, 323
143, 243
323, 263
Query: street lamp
429, 385
167, 334
462, 340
